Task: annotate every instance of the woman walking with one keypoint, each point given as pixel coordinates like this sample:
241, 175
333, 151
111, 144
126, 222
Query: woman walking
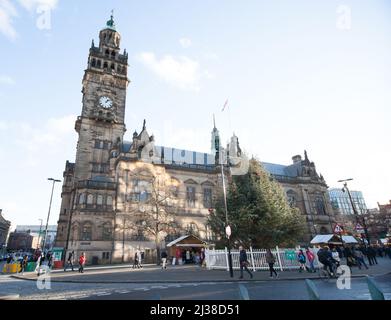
271, 260
82, 262
302, 260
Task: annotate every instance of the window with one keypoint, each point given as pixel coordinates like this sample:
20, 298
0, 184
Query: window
192, 228
86, 233
99, 200
109, 201
107, 53
99, 64
292, 198
106, 232
105, 255
93, 63
207, 198
82, 198
113, 54
90, 199
319, 206
105, 65
190, 196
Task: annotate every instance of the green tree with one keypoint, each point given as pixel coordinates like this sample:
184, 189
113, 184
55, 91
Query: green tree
258, 211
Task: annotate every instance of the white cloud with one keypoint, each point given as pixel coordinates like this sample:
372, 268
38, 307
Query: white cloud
181, 72
7, 13
185, 42
6, 80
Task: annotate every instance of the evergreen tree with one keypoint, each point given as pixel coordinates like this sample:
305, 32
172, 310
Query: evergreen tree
258, 212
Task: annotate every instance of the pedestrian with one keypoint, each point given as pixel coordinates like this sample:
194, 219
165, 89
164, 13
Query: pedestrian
140, 258
187, 256
243, 262
135, 260
82, 262
202, 257
70, 261
335, 255
310, 258
24, 264
372, 255
164, 260
302, 260
358, 255
271, 260
38, 264
50, 260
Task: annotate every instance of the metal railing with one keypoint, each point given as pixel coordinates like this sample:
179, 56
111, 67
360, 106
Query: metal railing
286, 259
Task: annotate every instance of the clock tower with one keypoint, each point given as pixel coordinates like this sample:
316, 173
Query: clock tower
101, 125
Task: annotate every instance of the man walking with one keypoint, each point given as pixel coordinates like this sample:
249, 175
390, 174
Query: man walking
358, 255
243, 262
70, 260
371, 255
271, 260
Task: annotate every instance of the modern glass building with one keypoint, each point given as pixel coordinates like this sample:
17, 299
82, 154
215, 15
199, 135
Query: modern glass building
340, 201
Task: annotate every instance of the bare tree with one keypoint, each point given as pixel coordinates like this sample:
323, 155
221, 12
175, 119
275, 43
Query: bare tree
155, 214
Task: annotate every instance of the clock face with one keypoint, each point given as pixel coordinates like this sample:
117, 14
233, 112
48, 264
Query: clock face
106, 102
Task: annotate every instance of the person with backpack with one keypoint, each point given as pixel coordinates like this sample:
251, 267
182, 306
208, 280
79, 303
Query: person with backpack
325, 258
302, 260
271, 260
310, 258
243, 262
82, 262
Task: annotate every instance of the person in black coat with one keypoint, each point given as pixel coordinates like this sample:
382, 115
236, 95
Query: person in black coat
243, 262
371, 255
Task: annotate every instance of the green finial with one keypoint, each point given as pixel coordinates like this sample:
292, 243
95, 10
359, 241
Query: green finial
111, 24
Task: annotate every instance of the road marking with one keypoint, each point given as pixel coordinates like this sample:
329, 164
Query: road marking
104, 294
158, 287
141, 289
123, 291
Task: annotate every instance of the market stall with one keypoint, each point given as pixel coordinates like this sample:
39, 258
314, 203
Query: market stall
186, 249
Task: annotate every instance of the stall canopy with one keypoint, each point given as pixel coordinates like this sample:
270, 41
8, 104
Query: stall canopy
188, 241
332, 239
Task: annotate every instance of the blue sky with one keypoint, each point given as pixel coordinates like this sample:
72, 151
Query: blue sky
311, 75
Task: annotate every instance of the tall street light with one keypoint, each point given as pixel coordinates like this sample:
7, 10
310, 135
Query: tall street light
50, 206
345, 188
227, 226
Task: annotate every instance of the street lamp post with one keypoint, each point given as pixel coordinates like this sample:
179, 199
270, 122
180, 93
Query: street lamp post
227, 226
50, 206
345, 184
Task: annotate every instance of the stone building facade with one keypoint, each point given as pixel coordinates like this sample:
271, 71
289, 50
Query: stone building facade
4, 230
120, 196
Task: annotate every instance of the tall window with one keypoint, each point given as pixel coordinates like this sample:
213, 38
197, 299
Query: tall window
106, 232
82, 198
319, 206
86, 232
99, 200
109, 201
90, 199
207, 198
190, 196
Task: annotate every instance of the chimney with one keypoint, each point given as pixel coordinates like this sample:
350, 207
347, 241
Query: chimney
296, 159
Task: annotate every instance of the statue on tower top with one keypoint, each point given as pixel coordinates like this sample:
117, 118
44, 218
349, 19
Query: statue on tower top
111, 24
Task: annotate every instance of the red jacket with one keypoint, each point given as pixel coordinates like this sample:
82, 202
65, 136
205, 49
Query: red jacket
82, 260
310, 256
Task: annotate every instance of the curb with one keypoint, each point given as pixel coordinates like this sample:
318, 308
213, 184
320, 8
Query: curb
235, 280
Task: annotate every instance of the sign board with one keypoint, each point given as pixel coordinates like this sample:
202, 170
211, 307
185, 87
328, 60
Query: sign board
290, 255
338, 229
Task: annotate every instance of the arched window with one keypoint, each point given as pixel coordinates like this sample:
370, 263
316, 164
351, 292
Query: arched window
113, 54
86, 232
99, 200
292, 198
109, 201
90, 199
107, 232
319, 206
82, 198
112, 66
